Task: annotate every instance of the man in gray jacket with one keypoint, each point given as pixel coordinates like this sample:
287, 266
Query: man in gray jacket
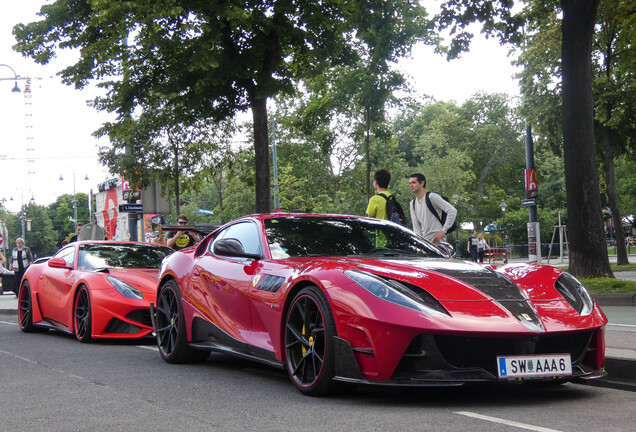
425, 223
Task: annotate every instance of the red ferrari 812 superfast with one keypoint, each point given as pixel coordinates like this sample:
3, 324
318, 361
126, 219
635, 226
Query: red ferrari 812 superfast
92, 290
341, 299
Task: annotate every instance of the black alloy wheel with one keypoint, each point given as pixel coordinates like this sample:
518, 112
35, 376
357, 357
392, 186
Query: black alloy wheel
25, 309
170, 328
82, 315
309, 331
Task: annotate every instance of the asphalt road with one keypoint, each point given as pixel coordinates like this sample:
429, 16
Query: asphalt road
50, 382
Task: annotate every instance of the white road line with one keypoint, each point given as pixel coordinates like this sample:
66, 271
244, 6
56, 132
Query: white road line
621, 325
7, 322
18, 357
505, 422
152, 348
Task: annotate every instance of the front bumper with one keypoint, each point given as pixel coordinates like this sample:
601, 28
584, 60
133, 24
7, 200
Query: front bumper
442, 360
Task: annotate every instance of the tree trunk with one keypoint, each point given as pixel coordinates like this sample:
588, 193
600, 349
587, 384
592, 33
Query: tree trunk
176, 180
588, 248
610, 180
261, 153
367, 150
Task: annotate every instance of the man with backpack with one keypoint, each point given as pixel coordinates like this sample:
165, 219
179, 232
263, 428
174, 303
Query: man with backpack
383, 205
432, 215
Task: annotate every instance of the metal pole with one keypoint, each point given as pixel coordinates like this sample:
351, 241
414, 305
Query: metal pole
74, 204
457, 236
275, 158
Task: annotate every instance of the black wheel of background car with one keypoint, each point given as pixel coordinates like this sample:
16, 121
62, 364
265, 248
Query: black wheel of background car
171, 332
25, 309
309, 331
82, 315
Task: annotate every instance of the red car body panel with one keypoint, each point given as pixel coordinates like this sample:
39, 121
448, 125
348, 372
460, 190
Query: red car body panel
227, 294
53, 292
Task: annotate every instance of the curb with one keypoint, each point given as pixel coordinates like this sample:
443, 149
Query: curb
615, 299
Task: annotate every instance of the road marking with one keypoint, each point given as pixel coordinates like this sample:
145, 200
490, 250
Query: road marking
7, 322
506, 422
18, 357
152, 348
621, 325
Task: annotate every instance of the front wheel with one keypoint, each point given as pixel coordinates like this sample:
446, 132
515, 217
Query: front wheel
25, 309
309, 332
171, 330
82, 315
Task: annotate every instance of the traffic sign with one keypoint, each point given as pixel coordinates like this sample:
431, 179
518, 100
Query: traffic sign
1, 240
530, 202
131, 208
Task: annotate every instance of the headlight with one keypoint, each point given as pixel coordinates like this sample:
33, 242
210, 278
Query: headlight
575, 293
398, 293
125, 289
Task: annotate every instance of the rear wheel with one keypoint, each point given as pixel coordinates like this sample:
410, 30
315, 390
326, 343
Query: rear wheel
82, 315
25, 309
309, 332
171, 330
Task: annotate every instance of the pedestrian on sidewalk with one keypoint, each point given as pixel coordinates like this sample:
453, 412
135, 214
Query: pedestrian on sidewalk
21, 259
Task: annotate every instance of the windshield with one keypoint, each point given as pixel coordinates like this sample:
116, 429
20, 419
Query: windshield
122, 256
333, 236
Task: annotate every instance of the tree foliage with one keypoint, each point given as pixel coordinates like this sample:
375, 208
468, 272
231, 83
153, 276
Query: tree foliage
204, 59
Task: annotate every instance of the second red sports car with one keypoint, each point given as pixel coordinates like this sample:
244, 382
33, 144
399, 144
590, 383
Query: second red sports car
92, 290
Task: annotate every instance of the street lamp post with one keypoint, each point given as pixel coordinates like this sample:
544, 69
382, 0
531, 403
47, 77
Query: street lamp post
15, 88
503, 206
74, 201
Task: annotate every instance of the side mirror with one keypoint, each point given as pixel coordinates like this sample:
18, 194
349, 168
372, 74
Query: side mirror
447, 248
58, 263
233, 248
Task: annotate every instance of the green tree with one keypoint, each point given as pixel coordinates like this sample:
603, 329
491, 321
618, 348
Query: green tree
42, 238
588, 250
200, 59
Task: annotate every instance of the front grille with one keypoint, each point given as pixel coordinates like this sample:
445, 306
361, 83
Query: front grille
122, 327
469, 352
142, 316
475, 358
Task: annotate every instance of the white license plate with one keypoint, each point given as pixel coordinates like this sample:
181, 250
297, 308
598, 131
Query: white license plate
536, 365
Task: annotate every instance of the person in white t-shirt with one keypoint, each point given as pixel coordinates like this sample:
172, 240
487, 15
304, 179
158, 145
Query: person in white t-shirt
425, 223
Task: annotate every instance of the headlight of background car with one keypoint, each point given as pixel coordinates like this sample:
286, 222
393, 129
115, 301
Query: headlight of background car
575, 293
125, 289
398, 293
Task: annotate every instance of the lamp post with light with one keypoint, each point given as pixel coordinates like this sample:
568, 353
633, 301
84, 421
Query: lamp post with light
503, 207
74, 201
15, 88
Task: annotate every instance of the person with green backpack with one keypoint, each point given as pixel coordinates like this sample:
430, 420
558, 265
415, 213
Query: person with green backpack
432, 215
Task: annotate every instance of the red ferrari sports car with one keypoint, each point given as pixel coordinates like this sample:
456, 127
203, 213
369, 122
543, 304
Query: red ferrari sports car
92, 290
343, 299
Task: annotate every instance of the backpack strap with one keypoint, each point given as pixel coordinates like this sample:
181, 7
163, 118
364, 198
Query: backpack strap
429, 204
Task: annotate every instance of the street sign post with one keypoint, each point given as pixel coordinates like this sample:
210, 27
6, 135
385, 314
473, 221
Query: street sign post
130, 208
530, 202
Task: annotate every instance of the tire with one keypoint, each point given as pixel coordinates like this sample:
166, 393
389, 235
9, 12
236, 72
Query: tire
309, 350
82, 315
25, 310
171, 328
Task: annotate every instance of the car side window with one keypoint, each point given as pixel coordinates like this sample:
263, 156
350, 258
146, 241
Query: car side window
68, 254
246, 233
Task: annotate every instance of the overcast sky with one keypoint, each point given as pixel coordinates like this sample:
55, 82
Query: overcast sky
50, 133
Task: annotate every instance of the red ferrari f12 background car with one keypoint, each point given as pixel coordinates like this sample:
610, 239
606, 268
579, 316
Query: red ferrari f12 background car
343, 299
92, 290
